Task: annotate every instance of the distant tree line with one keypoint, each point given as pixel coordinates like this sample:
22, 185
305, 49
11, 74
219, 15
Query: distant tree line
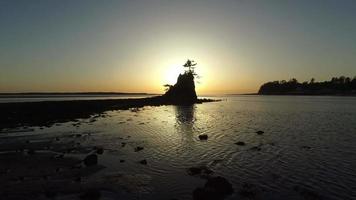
336, 86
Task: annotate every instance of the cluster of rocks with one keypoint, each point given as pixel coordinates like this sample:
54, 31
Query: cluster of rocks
218, 188
255, 148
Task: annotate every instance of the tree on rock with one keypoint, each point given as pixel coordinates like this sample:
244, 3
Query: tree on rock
190, 65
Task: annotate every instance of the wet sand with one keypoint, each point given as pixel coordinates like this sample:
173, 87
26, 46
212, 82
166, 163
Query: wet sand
266, 147
58, 167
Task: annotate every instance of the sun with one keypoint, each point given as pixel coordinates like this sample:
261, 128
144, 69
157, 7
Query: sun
171, 74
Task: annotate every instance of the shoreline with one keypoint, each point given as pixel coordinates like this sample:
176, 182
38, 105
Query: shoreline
47, 113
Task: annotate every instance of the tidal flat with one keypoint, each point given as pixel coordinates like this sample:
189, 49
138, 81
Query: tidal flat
267, 147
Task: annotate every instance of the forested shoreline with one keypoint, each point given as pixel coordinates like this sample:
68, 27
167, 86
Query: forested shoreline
336, 86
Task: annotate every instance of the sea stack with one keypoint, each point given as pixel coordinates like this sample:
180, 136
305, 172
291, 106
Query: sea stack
183, 92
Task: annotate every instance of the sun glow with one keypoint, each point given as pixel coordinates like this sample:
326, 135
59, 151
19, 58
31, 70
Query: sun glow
171, 74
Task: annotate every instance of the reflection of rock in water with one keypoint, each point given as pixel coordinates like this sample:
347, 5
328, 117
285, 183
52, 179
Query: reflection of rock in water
185, 118
185, 114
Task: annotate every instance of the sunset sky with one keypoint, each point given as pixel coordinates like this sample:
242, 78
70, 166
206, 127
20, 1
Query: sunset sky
137, 46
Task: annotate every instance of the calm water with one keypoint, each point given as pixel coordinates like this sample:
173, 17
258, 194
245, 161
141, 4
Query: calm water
308, 145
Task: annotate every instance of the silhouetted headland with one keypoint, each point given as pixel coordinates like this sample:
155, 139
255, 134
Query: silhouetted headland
47, 113
343, 86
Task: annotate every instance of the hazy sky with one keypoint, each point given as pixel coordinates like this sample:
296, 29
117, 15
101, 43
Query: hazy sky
137, 46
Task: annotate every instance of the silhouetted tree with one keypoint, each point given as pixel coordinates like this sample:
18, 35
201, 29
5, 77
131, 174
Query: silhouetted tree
190, 65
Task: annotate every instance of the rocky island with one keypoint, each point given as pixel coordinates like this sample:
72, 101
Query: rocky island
183, 92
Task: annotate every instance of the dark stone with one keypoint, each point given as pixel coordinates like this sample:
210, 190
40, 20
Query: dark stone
240, 143
91, 159
138, 149
306, 147
259, 132
143, 162
203, 137
123, 144
122, 161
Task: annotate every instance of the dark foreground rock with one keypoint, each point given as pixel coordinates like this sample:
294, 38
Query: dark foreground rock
240, 143
137, 149
143, 162
203, 137
216, 188
259, 132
